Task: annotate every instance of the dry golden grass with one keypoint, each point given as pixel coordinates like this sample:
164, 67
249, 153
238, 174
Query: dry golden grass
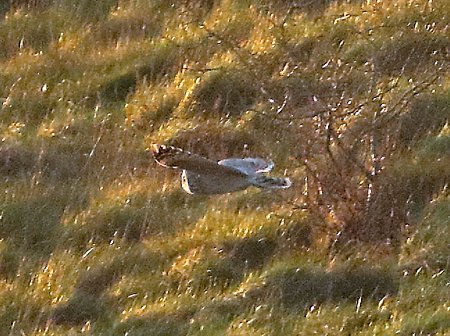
348, 98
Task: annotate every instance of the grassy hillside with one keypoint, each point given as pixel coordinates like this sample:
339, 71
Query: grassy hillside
350, 99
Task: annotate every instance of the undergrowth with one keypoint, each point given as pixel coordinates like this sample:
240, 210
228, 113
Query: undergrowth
350, 99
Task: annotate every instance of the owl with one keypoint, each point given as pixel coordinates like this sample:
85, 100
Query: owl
202, 176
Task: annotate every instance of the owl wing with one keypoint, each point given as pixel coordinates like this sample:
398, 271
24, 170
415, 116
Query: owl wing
207, 184
248, 166
173, 157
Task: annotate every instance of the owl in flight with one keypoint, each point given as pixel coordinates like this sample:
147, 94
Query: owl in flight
203, 176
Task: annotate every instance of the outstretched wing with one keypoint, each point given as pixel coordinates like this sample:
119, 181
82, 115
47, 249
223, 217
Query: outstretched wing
169, 156
248, 166
206, 184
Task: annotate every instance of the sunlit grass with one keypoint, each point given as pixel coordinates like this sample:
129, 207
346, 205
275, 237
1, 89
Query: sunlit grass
96, 238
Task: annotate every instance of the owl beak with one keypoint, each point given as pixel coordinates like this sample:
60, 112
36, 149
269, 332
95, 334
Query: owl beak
153, 149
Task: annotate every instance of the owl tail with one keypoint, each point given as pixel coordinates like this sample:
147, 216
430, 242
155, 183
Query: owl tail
267, 182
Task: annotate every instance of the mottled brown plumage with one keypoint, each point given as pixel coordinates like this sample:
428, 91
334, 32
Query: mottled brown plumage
203, 176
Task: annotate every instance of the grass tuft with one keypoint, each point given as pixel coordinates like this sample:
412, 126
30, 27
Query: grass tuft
160, 63
223, 94
301, 288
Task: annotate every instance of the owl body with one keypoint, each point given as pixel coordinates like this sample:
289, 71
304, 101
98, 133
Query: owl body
202, 176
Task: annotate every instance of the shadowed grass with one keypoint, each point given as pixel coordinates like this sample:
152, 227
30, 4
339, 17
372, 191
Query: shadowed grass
160, 63
133, 218
223, 94
299, 288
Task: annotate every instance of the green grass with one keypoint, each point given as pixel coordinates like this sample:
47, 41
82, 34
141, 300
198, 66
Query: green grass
350, 99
